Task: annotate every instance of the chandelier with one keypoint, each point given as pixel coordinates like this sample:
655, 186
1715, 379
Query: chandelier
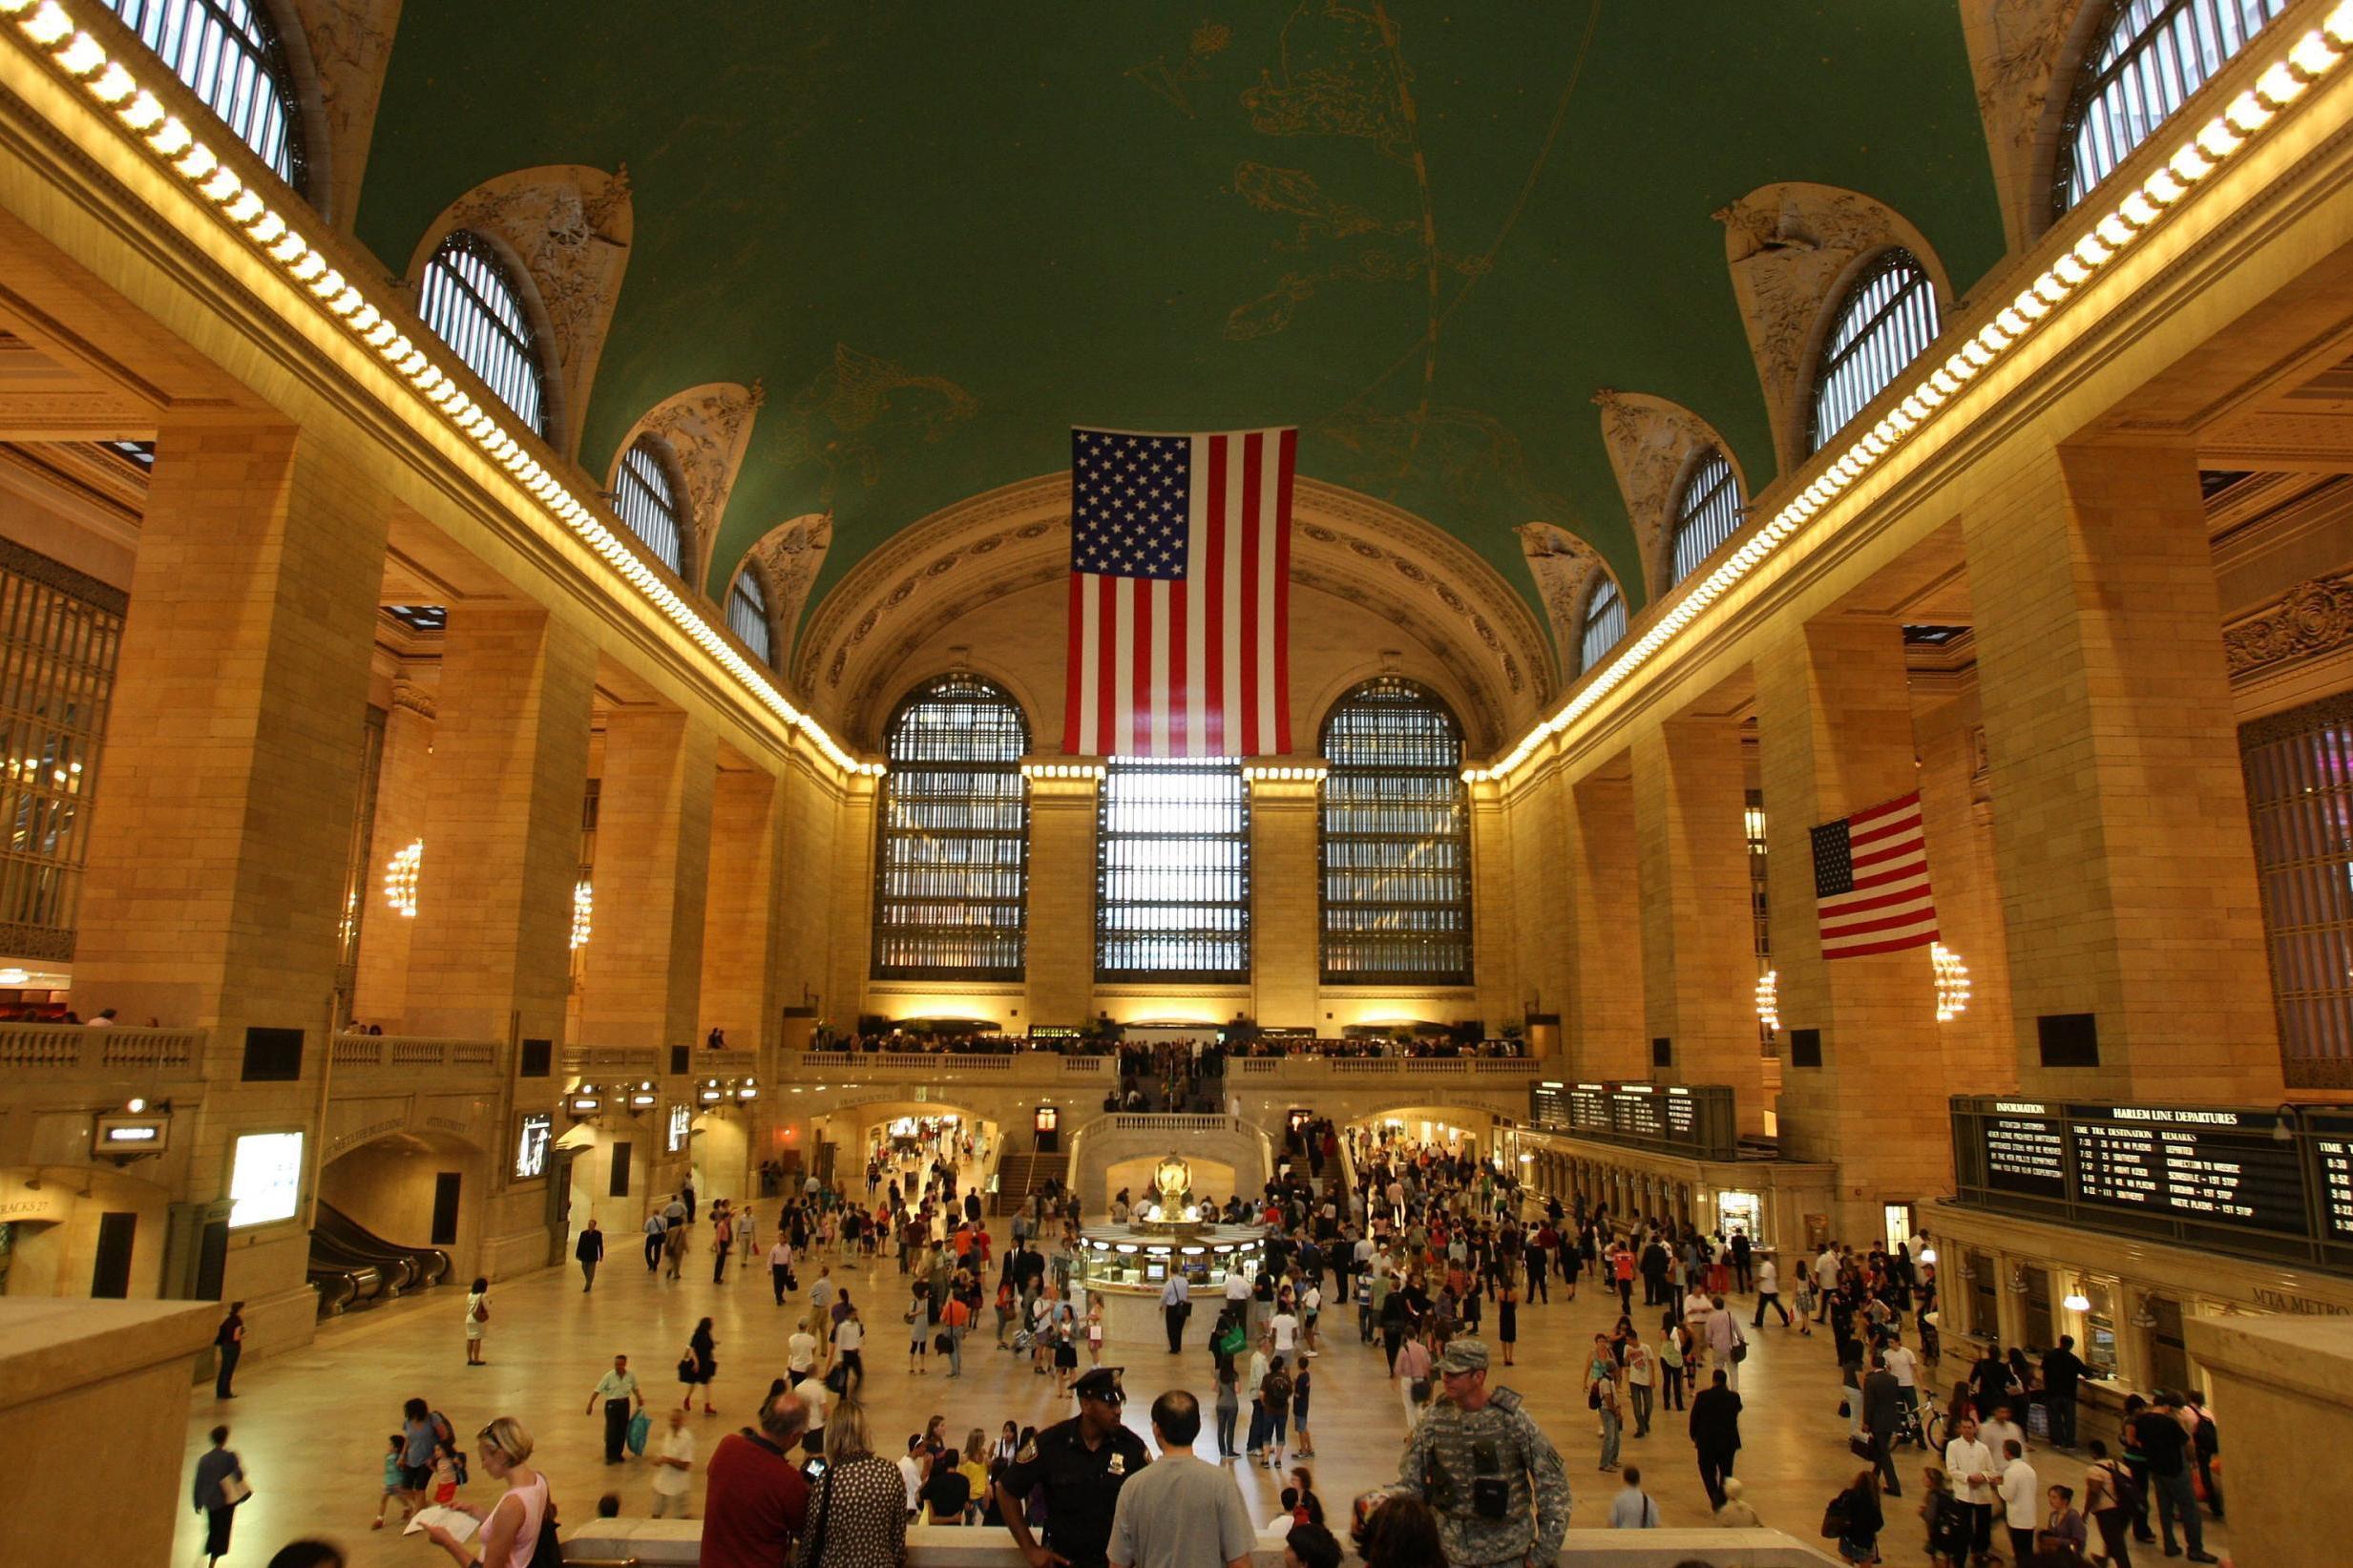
1769, 1001
400, 880
583, 905
1952, 982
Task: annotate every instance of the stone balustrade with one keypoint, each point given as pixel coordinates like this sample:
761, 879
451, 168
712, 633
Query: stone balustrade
408, 1053
59, 1050
1043, 1067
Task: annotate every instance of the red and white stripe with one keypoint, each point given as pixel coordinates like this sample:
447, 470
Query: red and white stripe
1891, 908
1199, 667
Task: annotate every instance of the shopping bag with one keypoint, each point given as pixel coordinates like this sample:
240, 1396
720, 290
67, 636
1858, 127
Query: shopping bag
641, 1427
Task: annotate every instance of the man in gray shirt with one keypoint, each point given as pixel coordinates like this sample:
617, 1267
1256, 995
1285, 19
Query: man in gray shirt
1180, 1511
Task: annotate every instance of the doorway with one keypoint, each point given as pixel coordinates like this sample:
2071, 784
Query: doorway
446, 1188
110, 1279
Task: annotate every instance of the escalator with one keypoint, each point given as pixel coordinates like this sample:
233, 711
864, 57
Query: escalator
352, 1266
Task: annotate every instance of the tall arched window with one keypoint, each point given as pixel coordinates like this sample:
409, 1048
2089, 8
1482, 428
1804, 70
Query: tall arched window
1707, 513
1886, 319
229, 53
646, 497
472, 304
1173, 871
952, 867
747, 614
1605, 622
1396, 842
2147, 57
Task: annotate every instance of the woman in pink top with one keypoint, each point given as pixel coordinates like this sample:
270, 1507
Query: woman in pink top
510, 1530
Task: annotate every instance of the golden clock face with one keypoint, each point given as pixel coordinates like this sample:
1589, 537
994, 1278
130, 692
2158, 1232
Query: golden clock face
1174, 1175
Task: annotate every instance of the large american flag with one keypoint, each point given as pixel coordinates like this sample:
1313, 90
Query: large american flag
1870, 882
1180, 593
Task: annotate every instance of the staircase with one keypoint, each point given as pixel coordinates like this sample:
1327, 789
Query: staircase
1019, 1174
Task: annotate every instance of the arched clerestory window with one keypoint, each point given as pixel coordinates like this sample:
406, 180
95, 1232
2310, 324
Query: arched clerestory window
649, 497
951, 859
1173, 871
1707, 513
747, 614
473, 304
1888, 315
1604, 621
1395, 840
2147, 57
229, 53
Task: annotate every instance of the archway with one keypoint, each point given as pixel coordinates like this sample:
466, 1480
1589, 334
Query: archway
416, 1190
893, 1127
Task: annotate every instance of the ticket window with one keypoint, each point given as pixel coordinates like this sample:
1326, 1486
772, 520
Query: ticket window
1897, 1224
1740, 1211
2037, 1332
2099, 1346
2169, 1355
1985, 1306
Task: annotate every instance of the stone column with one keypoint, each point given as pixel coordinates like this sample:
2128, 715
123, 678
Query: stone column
2120, 813
740, 927
645, 971
1698, 936
1062, 900
1286, 912
1603, 920
1494, 884
1835, 724
215, 878
811, 819
1540, 933
381, 996
492, 952
2283, 1389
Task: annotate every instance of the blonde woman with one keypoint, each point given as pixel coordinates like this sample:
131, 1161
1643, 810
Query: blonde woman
858, 1518
511, 1529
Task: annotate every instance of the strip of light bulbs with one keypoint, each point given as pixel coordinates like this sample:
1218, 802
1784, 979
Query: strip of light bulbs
250, 212
2309, 59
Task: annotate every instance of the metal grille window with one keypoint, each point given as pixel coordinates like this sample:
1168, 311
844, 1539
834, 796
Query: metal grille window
1173, 871
1707, 513
1396, 842
646, 499
2299, 802
59, 637
1605, 622
2146, 60
231, 56
470, 301
952, 867
1885, 320
747, 615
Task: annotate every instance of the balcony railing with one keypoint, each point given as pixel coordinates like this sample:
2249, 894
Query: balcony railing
66, 1048
404, 1052
1301, 1071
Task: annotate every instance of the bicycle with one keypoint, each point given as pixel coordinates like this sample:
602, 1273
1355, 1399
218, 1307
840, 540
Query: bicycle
1922, 1424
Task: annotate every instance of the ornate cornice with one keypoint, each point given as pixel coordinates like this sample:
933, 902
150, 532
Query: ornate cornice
2311, 618
408, 694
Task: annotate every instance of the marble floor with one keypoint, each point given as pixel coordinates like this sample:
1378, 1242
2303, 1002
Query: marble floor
312, 1426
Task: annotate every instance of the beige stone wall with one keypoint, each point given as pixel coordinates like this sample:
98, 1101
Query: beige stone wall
644, 964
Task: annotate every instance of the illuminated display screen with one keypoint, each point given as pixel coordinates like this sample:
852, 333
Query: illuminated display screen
530, 1145
265, 1178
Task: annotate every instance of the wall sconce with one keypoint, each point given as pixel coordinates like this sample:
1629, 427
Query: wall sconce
1769, 1001
746, 1090
2077, 1300
710, 1094
1952, 982
2018, 1286
2142, 1316
643, 1096
400, 879
583, 910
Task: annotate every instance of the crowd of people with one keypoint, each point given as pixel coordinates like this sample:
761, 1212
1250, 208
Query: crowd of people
1433, 1250
1207, 1054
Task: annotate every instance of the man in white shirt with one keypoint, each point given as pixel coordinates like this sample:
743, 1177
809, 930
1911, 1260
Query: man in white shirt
674, 1468
1825, 1280
2022, 1500
811, 1393
1970, 1464
801, 1352
780, 1265
1999, 1429
1311, 1306
911, 1471
1725, 1339
1767, 1291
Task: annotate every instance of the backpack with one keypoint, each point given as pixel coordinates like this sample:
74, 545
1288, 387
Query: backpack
1835, 1518
444, 1433
2124, 1487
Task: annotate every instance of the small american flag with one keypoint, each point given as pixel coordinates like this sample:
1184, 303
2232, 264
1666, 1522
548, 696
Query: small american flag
1180, 593
1870, 882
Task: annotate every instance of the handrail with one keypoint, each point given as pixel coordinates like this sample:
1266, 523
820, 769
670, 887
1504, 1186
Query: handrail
386, 1050
65, 1046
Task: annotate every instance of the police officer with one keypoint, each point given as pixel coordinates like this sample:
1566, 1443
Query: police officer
1480, 1462
1083, 1462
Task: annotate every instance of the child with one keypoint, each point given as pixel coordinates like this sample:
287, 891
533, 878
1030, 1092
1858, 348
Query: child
449, 1473
395, 1485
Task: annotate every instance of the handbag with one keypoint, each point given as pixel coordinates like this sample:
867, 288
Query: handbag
234, 1490
640, 1428
1863, 1448
1846, 1410
1833, 1518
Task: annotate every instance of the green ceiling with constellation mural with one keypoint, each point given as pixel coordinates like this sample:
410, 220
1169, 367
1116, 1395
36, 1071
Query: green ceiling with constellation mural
941, 234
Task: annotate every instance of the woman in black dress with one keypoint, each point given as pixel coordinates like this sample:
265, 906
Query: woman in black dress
699, 1367
1507, 1317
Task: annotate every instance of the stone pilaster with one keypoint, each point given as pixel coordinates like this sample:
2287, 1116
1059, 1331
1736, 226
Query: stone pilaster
1062, 900
1602, 1020
1494, 884
492, 945
1286, 912
1698, 941
644, 970
215, 878
1834, 728
740, 927
2120, 813
1539, 925
381, 996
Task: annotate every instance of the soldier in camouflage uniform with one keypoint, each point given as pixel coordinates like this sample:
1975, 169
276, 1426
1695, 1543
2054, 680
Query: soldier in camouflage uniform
1488, 1472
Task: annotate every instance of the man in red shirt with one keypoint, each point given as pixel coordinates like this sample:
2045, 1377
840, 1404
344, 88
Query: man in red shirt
758, 1501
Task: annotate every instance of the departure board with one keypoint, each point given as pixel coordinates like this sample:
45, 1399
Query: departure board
1694, 1118
2333, 1155
2217, 1166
